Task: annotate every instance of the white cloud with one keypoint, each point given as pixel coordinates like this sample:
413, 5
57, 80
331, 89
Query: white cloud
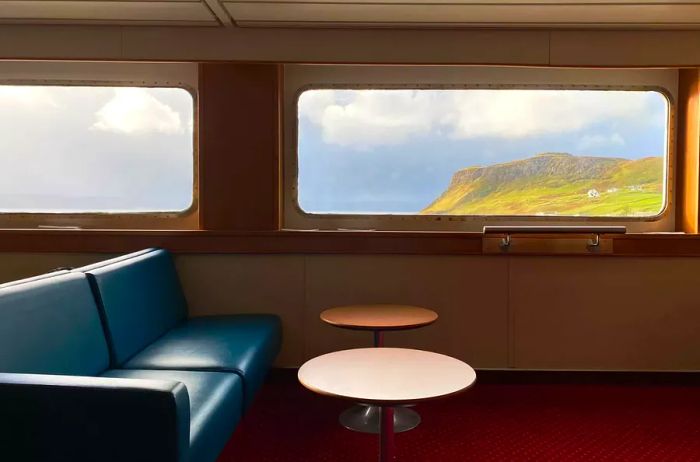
313, 104
136, 111
366, 119
30, 96
371, 118
522, 113
593, 142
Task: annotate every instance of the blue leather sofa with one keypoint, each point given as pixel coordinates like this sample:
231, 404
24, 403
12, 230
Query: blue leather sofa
103, 364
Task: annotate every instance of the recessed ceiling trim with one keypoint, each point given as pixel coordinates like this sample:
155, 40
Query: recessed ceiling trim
220, 12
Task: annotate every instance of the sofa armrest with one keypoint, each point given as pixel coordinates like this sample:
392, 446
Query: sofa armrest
54, 417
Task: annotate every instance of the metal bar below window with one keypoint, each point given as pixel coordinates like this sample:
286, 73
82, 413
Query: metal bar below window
555, 229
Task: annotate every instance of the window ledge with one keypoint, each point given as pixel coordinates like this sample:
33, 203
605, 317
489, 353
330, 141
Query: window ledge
314, 242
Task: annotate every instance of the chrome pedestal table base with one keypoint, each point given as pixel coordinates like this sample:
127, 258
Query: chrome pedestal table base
366, 418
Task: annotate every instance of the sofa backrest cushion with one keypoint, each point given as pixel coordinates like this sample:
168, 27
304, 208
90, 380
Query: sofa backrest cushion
140, 299
111, 261
51, 326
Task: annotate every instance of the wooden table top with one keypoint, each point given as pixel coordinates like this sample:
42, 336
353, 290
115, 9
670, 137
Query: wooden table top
386, 375
379, 317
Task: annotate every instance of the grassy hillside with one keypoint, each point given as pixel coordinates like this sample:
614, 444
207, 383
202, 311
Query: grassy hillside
556, 184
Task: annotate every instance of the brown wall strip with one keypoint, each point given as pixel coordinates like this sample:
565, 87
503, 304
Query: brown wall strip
239, 146
240, 242
315, 242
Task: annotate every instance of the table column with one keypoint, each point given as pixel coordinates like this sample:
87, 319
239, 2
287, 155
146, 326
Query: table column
378, 338
386, 438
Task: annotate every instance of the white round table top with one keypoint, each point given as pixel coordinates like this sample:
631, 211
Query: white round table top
379, 317
386, 375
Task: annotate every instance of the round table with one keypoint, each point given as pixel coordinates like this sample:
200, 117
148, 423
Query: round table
378, 318
386, 377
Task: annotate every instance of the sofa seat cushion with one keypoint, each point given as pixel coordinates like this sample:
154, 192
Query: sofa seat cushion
215, 406
246, 344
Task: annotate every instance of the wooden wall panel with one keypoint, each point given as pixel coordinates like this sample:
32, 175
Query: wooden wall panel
688, 151
239, 146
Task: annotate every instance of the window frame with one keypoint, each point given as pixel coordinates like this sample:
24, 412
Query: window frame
301, 78
108, 74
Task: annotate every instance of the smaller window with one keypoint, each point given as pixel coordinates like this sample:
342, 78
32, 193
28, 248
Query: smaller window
503, 152
95, 149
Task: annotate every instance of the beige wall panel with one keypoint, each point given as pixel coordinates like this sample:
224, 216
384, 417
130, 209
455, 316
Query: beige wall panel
517, 47
56, 42
605, 313
565, 312
625, 48
213, 284
326, 45
15, 266
226, 284
468, 294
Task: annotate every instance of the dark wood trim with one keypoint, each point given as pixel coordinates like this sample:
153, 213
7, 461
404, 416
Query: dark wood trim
553, 377
657, 245
279, 204
688, 151
312, 242
272, 242
239, 135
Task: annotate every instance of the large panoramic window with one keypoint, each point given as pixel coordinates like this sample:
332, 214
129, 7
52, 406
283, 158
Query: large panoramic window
523, 152
95, 149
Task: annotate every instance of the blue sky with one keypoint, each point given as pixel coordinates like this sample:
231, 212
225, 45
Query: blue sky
394, 151
83, 149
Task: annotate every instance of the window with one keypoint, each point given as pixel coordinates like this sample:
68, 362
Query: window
482, 152
76, 147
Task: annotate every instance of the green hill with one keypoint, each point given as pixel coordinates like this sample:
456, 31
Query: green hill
556, 184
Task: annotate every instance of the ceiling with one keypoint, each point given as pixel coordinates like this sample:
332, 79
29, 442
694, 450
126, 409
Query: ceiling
362, 13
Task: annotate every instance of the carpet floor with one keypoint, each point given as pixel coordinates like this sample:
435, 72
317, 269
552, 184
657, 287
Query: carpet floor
489, 422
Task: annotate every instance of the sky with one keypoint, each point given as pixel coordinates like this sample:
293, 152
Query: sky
395, 151
82, 149
86, 149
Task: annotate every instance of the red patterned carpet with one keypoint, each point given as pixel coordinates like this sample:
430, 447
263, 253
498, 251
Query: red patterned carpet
490, 422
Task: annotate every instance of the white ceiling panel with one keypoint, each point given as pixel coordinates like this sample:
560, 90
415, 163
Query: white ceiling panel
431, 3
183, 12
678, 13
